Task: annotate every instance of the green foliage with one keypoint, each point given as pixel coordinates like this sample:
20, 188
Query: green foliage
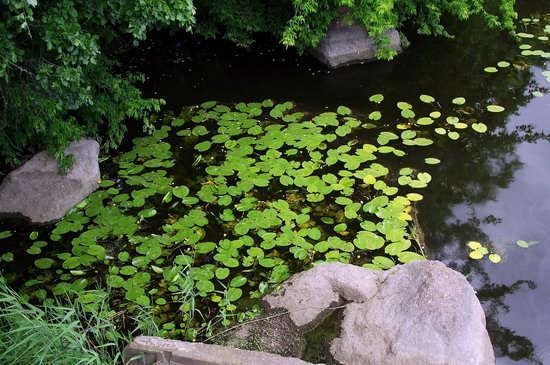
82, 331
274, 191
57, 84
312, 18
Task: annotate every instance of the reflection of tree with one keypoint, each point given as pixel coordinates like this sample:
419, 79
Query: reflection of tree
506, 342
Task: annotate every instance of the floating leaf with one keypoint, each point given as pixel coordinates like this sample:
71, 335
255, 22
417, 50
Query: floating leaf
403, 105
424, 121
377, 98
234, 294
490, 69
503, 64
44, 263
453, 135
375, 115
222, 273
459, 101
474, 245
432, 160
479, 127
407, 113
181, 191
343, 110
5, 234
476, 255
495, 108
414, 197
495, 258
427, 98
147, 213
526, 244
203, 146
407, 256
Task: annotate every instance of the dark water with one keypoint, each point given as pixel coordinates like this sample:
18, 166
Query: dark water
494, 188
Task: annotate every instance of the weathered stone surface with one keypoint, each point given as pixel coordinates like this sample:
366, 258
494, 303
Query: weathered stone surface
273, 332
309, 294
419, 313
155, 350
39, 192
424, 313
345, 44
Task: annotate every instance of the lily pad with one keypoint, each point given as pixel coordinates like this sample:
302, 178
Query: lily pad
495, 108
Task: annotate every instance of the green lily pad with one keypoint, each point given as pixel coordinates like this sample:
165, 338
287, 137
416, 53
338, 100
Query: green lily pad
495, 108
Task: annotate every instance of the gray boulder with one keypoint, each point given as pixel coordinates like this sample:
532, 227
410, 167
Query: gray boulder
418, 313
343, 45
38, 191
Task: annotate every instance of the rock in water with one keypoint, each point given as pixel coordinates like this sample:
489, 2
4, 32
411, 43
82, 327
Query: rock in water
40, 193
343, 45
418, 313
423, 314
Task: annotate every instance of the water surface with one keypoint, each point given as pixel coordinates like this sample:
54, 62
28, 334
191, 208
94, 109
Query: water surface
493, 188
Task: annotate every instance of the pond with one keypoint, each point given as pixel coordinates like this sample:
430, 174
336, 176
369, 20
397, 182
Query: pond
491, 187
494, 189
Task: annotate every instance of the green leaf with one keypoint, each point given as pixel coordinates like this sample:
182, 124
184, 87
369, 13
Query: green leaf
343, 200
432, 160
203, 146
267, 262
424, 121
376, 98
459, 101
479, 127
205, 286
343, 110
427, 98
234, 294
375, 115
453, 135
238, 281
205, 247
495, 108
44, 263
407, 256
222, 273
404, 105
526, 244
5, 234
147, 213
495, 258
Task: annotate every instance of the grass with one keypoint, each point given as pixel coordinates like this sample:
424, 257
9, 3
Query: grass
76, 332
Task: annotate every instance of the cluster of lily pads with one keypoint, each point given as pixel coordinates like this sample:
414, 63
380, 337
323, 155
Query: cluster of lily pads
223, 201
532, 46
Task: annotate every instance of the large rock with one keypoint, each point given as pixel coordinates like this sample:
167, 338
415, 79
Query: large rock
343, 45
39, 192
419, 313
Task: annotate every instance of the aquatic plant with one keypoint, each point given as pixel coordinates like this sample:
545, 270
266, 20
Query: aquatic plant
223, 202
81, 331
